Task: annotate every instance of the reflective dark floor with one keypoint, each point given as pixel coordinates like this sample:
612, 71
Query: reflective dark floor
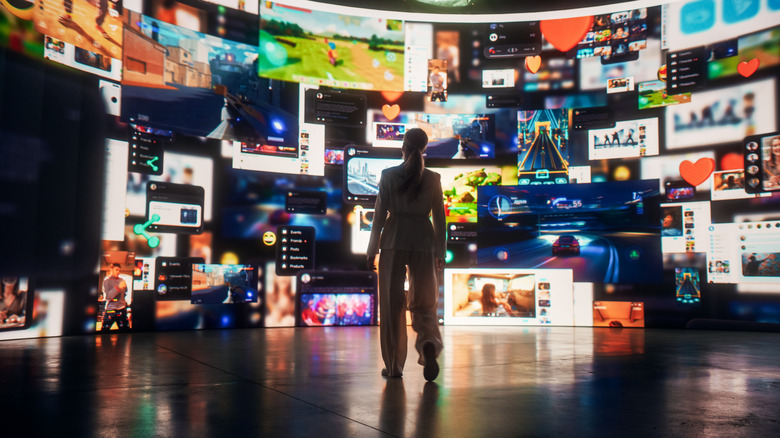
494, 382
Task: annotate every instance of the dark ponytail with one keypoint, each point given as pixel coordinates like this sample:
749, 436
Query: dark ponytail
415, 141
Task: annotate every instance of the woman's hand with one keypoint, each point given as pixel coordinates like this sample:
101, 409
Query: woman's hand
14, 319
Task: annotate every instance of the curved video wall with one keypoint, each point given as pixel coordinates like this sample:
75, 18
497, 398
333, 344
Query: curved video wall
186, 164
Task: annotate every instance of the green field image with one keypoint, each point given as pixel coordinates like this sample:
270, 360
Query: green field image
768, 56
460, 196
381, 66
656, 98
764, 46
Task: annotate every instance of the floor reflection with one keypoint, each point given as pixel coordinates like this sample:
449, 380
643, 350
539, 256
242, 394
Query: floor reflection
494, 381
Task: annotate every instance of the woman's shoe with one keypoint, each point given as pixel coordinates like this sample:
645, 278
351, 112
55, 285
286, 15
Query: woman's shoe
386, 374
431, 370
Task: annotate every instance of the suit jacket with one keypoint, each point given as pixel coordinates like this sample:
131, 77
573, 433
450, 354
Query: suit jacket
402, 222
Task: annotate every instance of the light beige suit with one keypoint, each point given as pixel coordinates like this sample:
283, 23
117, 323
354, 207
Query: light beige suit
407, 239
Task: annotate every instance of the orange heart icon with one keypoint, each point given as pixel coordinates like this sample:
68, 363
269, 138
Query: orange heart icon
747, 68
532, 63
565, 33
695, 174
391, 111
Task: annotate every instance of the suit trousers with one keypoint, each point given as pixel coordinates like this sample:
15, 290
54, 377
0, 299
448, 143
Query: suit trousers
421, 300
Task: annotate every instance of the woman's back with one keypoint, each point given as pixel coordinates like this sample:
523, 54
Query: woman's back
403, 218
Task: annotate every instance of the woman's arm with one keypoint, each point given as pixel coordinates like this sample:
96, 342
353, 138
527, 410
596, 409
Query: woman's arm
773, 173
439, 221
380, 216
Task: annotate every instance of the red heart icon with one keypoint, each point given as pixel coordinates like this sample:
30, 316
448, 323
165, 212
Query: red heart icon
695, 174
565, 33
747, 68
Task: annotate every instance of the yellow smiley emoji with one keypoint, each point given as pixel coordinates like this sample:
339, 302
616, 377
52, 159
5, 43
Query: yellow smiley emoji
269, 238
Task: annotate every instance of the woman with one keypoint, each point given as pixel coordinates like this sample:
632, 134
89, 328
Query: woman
670, 225
772, 165
12, 302
491, 303
409, 193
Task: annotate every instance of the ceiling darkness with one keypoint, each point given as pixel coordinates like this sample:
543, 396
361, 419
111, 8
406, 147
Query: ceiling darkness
475, 7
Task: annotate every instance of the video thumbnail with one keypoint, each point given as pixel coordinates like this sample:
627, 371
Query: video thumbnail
116, 291
652, 94
459, 186
722, 115
362, 172
502, 78
337, 309
335, 50
390, 134
279, 302
464, 127
328, 298
614, 34
605, 232
730, 184
620, 85
17, 299
666, 168
230, 19
763, 46
458, 136
508, 296
543, 154
82, 59
617, 314
201, 85
437, 80
687, 285
223, 284
91, 25
361, 229
761, 264
628, 139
